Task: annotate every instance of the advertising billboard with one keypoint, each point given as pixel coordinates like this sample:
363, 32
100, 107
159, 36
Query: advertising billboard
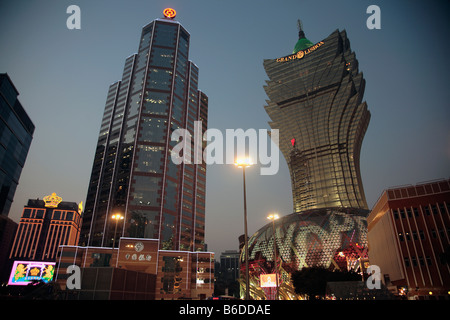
23, 272
268, 280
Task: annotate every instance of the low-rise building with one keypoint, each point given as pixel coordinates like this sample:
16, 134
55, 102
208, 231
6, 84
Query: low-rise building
408, 238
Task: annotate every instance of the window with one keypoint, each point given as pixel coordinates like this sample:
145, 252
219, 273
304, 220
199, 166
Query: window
149, 159
153, 130
165, 35
159, 79
100, 259
69, 216
26, 213
408, 211
433, 233
395, 214
57, 215
162, 57
156, 103
434, 209
146, 191
421, 261
144, 224
422, 235
406, 259
40, 214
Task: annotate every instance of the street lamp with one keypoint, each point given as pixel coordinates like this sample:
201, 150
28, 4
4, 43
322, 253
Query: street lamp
243, 163
116, 217
274, 217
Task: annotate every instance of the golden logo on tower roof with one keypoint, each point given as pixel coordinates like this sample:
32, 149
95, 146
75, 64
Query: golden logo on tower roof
300, 54
52, 200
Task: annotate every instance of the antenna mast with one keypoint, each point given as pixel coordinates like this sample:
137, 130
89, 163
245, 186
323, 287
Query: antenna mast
301, 34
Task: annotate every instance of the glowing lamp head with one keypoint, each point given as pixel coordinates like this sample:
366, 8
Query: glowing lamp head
169, 13
244, 162
273, 216
117, 217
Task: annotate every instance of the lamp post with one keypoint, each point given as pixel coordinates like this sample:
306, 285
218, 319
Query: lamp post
274, 217
243, 163
116, 217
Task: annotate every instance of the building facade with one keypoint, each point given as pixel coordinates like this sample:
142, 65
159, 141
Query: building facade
44, 226
16, 134
408, 235
136, 269
134, 173
8, 229
152, 176
230, 265
316, 103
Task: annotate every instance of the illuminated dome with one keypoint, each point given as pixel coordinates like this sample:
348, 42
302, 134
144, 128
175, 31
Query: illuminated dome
321, 237
333, 238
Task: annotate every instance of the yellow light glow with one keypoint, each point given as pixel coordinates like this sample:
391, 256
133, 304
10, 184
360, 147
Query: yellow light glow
169, 13
243, 162
273, 217
117, 216
52, 201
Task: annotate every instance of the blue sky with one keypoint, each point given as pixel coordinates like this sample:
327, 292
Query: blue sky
63, 77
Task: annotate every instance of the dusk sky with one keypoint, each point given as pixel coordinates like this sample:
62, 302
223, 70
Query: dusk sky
63, 76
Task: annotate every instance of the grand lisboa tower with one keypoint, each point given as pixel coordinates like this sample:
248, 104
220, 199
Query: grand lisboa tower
316, 102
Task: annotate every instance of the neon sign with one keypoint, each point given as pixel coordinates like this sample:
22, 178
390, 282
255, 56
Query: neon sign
52, 200
23, 272
169, 13
300, 54
268, 280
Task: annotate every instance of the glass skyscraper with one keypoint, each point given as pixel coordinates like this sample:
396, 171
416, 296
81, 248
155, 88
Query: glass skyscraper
315, 100
16, 134
133, 173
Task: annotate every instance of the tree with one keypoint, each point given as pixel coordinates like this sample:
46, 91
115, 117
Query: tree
313, 281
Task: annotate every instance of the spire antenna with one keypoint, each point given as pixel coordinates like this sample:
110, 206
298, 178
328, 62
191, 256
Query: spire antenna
301, 34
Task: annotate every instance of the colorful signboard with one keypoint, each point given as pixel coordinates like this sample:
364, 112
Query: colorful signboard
268, 280
23, 272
